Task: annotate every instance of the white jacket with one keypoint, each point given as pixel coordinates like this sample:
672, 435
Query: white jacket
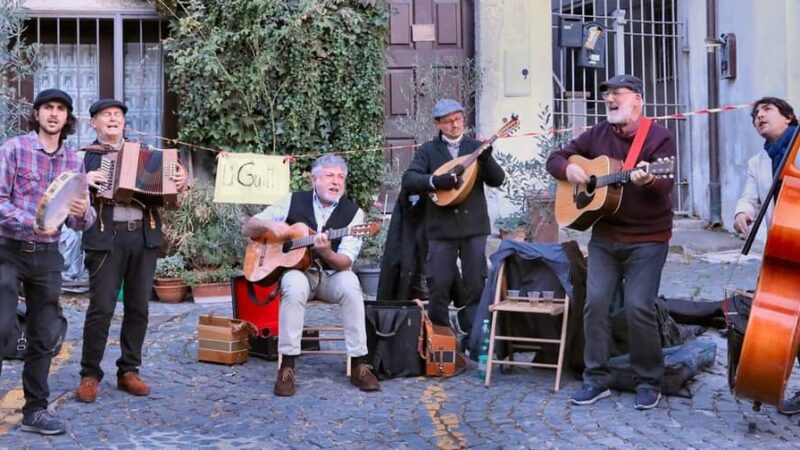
759, 180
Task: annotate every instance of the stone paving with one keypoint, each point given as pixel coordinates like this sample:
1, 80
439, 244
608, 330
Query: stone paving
198, 406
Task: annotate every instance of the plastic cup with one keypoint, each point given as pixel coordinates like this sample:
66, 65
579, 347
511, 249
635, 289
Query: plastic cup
548, 295
533, 296
513, 294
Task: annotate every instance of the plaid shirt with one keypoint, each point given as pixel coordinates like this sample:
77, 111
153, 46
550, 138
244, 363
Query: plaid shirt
25, 173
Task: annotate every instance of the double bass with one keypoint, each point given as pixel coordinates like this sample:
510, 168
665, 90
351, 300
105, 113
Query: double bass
773, 330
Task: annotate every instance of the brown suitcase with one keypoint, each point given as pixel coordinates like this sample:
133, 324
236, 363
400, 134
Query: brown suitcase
223, 340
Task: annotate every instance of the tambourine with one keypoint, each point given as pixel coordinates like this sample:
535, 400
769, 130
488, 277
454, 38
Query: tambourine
54, 205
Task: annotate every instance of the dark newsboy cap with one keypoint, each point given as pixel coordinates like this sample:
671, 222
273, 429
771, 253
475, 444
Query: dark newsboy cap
446, 106
623, 81
106, 103
48, 95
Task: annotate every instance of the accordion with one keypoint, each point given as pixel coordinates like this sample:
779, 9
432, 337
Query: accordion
140, 174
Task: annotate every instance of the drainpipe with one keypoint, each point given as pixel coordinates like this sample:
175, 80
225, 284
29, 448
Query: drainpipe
714, 189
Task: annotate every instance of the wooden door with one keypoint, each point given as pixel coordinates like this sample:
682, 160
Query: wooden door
421, 33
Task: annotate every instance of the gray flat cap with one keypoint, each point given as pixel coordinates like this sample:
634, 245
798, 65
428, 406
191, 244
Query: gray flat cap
446, 106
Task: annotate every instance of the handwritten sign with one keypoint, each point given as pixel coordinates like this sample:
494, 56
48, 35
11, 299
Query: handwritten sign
250, 178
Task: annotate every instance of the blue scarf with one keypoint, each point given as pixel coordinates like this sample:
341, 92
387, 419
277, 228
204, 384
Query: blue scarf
776, 149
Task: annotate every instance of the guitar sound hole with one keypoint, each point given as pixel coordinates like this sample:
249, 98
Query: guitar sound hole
582, 199
286, 246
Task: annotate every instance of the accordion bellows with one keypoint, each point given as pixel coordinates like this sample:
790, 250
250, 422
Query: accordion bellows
140, 174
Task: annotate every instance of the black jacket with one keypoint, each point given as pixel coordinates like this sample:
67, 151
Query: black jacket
101, 235
468, 218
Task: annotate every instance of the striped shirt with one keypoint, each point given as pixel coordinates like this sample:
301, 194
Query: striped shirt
25, 173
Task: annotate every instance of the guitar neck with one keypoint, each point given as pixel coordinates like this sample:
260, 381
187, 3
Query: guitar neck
474, 155
308, 241
615, 178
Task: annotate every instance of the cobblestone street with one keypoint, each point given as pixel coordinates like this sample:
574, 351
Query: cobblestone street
197, 405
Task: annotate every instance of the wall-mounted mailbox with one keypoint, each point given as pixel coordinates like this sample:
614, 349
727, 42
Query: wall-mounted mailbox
593, 47
727, 56
516, 72
570, 32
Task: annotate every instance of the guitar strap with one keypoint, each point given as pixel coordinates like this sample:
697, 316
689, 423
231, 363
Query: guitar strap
638, 142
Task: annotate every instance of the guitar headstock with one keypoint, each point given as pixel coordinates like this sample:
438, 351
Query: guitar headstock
510, 126
662, 167
367, 229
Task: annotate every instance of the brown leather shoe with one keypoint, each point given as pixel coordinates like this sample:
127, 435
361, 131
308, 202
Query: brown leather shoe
132, 383
87, 390
363, 377
284, 385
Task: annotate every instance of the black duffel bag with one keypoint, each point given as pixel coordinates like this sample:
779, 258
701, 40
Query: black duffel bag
394, 331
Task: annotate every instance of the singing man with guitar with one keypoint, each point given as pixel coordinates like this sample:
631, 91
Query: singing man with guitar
629, 243
330, 279
457, 229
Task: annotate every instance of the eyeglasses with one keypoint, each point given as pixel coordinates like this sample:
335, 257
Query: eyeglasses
615, 93
453, 121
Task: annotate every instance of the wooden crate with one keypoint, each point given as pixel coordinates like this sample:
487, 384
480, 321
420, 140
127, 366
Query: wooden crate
223, 340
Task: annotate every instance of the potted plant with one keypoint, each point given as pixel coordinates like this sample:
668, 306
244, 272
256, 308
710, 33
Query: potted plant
168, 284
211, 285
368, 265
530, 188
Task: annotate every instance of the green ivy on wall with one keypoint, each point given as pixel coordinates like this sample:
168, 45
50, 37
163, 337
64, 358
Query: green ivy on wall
283, 77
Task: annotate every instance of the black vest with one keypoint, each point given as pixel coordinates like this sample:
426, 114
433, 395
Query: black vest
301, 209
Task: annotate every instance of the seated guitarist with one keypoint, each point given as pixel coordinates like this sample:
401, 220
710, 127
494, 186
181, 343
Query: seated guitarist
630, 244
329, 279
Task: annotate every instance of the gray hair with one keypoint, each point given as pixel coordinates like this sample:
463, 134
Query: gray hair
328, 161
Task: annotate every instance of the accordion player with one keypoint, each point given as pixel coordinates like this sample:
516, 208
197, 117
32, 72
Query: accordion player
141, 175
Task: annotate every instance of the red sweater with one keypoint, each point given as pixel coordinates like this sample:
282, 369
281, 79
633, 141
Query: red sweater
645, 213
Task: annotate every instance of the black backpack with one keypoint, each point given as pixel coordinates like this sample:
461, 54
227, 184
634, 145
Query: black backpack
17, 343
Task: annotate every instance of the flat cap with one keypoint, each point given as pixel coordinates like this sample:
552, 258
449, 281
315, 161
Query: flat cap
623, 81
446, 106
48, 95
106, 103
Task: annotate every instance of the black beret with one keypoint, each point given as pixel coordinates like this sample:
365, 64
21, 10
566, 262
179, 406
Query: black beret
106, 103
49, 95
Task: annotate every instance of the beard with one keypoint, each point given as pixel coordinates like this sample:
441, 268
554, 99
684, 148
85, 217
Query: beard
621, 116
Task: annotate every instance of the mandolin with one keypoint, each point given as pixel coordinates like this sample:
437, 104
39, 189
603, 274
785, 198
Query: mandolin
268, 256
579, 206
452, 197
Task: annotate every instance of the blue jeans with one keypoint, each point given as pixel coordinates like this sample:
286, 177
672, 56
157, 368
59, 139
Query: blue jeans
640, 266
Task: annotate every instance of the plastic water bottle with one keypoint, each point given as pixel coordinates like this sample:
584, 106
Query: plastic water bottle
483, 356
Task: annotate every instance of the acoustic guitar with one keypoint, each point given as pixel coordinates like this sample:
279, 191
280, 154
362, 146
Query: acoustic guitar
268, 256
452, 197
579, 206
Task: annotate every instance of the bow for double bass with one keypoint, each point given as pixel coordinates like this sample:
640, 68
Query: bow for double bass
466, 180
772, 336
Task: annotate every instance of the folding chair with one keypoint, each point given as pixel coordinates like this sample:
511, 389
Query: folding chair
521, 305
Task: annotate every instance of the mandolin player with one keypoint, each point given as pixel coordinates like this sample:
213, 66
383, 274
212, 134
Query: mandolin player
631, 244
457, 231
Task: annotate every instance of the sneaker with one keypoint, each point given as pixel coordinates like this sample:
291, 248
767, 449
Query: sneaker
363, 377
589, 394
646, 398
792, 405
42, 422
284, 385
87, 390
132, 383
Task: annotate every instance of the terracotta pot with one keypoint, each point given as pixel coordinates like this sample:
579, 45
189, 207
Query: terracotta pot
168, 282
215, 291
172, 294
514, 235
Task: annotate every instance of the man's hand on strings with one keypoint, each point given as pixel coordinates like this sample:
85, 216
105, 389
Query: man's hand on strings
640, 177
